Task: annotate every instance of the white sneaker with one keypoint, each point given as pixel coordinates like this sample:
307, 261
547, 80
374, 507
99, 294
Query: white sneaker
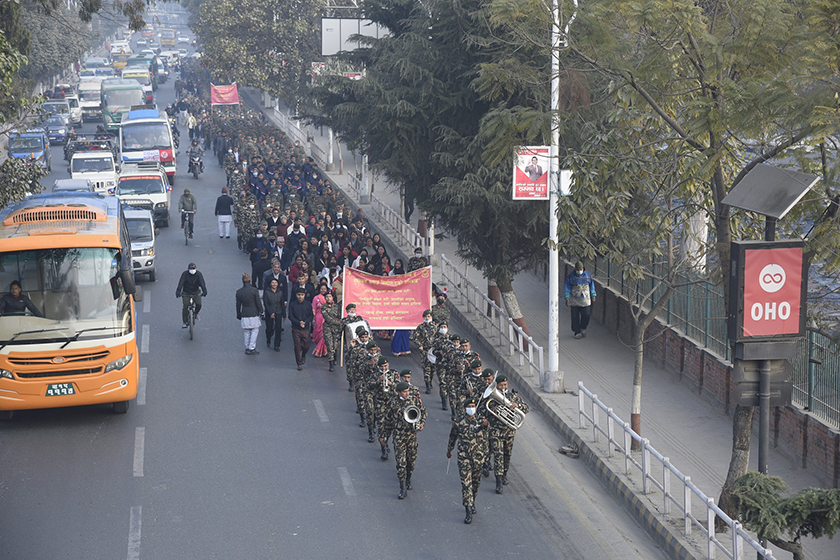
583, 333
184, 326
578, 335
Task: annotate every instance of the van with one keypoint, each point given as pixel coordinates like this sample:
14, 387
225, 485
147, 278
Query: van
97, 166
142, 234
144, 185
90, 95
76, 117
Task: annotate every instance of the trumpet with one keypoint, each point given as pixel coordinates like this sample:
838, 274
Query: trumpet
411, 414
513, 418
385, 384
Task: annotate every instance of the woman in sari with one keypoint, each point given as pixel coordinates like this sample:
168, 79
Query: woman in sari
318, 329
399, 340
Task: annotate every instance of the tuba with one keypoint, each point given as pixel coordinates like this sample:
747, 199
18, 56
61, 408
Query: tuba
411, 414
513, 418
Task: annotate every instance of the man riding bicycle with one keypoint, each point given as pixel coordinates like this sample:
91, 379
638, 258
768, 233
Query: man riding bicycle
190, 286
187, 206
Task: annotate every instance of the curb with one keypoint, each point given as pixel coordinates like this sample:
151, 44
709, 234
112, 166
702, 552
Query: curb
637, 506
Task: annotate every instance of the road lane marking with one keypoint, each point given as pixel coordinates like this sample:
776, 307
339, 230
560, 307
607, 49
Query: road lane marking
322, 413
564, 496
139, 450
347, 482
141, 388
144, 340
134, 533
147, 301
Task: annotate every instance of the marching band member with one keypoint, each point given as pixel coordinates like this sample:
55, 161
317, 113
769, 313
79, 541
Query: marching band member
501, 435
404, 432
469, 431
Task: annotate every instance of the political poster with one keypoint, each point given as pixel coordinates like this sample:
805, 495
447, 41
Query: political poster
530, 173
224, 95
389, 302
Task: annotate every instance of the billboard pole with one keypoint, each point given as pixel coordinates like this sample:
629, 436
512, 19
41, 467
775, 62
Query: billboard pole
553, 200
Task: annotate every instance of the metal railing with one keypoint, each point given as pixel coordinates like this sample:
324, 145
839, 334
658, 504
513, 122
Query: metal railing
355, 186
697, 310
656, 473
493, 318
407, 236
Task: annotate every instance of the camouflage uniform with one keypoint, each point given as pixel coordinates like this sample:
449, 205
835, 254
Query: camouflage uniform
364, 369
440, 346
422, 337
501, 438
332, 329
341, 328
238, 185
405, 434
454, 373
440, 314
471, 454
416, 263
471, 386
229, 164
380, 395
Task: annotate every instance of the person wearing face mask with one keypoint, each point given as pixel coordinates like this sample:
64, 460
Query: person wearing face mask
191, 286
382, 386
441, 346
422, 336
469, 432
418, 260
471, 386
580, 295
440, 312
501, 435
404, 432
350, 317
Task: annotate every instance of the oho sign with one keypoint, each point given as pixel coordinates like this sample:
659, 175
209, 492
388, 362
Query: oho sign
767, 290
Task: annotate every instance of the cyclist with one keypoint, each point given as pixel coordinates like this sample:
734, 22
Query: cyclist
187, 203
191, 285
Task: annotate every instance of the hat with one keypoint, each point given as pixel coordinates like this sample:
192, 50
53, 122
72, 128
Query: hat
487, 372
443, 324
501, 378
475, 363
454, 337
427, 312
402, 386
470, 400
464, 341
370, 344
382, 361
405, 372
349, 306
579, 265
192, 266
443, 295
418, 250
360, 330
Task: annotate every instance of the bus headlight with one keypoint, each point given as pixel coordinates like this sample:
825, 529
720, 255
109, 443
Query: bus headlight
6, 373
118, 363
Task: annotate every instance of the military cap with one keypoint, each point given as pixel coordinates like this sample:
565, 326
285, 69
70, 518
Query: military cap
382, 361
402, 386
454, 337
501, 377
443, 324
487, 372
349, 306
475, 363
464, 341
427, 312
370, 344
470, 400
361, 330
404, 372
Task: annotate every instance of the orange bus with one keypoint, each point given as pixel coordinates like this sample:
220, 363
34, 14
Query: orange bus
67, 322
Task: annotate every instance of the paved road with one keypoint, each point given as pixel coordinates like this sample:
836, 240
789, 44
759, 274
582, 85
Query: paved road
230, 456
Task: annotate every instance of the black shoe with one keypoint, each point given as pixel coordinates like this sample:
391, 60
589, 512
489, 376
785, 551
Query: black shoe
403, 492
300, 368
362, 422
248, 352
370, 435
428, 389
498, 485
472, 509
227, 237
468, 518
190, 236
255, 351
221, 236
384, 455
268, 343
408, 482
276, 348
332, 367
350, 388
443, 404
485, 471
504, 480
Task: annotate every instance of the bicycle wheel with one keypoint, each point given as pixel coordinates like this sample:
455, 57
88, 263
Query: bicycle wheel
187, 232
192, 319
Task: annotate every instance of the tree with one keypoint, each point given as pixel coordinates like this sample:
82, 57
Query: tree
19, 178
784, 520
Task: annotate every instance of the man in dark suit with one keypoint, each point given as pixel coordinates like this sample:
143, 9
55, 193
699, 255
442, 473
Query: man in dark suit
534, 171
301, 316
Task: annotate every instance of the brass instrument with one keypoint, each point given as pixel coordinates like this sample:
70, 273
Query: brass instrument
411, 414
385, 383
513, 418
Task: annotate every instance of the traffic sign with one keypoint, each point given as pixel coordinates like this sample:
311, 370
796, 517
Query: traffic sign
748, 371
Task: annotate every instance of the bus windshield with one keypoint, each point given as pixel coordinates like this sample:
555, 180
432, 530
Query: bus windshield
124, 97
143, 78
76, 291
90, 95
145, 136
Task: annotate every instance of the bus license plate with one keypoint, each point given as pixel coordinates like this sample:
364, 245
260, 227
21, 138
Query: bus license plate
60, 389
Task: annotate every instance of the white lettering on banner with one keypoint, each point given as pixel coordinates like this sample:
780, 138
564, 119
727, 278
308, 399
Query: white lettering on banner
767, 311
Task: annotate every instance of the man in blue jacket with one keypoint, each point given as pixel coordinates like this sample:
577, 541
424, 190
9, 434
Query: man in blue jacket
580, 295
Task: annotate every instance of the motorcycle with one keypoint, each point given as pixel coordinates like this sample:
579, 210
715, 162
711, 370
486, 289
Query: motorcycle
196, 165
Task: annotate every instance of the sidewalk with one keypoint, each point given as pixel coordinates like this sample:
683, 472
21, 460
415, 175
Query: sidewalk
694, 434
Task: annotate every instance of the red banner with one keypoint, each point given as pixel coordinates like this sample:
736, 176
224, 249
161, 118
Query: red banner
224, 95
530, 173
389, 302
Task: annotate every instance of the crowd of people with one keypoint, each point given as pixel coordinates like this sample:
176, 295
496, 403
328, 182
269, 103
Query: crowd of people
299, 235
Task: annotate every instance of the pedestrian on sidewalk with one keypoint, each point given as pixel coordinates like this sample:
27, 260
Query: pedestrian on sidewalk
580, 295
301, 316
249, 307
224, 213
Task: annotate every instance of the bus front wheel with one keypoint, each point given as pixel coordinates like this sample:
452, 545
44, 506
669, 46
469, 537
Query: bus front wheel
120, 407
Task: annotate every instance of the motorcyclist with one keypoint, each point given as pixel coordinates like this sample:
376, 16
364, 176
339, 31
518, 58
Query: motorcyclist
196, 151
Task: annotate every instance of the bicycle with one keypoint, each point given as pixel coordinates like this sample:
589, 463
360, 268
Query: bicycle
189, 223
191, 316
